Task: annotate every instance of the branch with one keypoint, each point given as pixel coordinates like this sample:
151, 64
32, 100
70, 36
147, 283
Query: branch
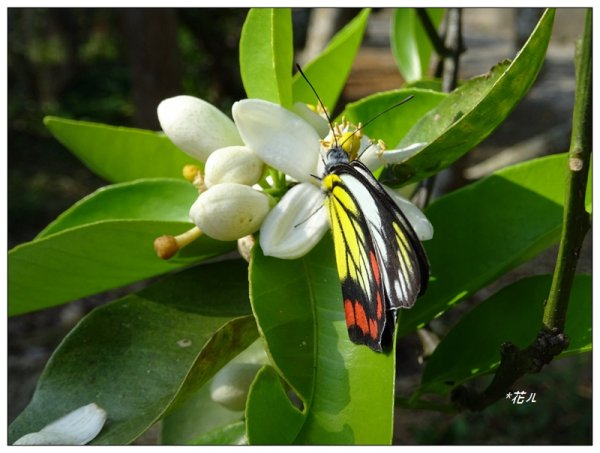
551, 340
432, 34
576, 219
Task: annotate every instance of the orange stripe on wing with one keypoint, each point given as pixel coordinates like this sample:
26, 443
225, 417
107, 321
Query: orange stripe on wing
349, 311
375, 267
361, 318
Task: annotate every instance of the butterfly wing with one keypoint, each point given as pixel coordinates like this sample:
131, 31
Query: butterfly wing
357, 264
403, 258
381, 263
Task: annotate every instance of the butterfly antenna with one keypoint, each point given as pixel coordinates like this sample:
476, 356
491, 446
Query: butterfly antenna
320, 102
403, 101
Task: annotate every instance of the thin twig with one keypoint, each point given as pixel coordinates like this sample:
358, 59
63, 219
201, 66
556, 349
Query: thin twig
432, 34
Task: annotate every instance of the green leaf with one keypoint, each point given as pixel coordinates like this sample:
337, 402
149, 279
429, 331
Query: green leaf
201, 421
232, 434
119, 154
514, 314
346, 389
266, 55
95, 257
392, 126
471, 112
136, 356
143, 199
329, 71
271, 418
410, 44
488, 228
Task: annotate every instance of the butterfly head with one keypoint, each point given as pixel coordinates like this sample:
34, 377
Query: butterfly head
342, 145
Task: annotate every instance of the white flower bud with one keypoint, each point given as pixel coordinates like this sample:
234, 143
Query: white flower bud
236, 164
229, 211
231, 384
76, 428
196, 126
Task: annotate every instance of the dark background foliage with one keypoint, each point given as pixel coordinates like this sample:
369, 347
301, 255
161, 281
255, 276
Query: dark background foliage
115, 65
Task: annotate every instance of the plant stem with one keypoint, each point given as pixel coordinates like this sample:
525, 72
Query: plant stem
576, 221
454, 46
551, 340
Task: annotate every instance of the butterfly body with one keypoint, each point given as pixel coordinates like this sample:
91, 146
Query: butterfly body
381, 263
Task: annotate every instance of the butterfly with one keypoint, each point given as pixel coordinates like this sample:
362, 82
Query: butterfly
380, 261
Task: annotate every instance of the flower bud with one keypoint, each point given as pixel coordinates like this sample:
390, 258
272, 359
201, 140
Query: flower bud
196, 126
236, 164
229, 211
231, 384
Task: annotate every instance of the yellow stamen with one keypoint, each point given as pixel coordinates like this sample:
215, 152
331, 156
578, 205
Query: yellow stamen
190, 171
167, 246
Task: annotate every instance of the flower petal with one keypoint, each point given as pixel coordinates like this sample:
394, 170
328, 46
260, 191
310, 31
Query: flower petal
421, 224
374, 157
296, 224
196, 126
280, 138
76, 428
319, 123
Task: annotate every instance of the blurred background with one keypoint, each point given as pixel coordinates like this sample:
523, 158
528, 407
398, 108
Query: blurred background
115, 65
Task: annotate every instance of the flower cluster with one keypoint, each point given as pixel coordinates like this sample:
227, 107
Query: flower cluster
254, 159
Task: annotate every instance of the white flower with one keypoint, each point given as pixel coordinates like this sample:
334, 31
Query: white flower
291, 143
227, 207
229, 211
286, 142
76, 428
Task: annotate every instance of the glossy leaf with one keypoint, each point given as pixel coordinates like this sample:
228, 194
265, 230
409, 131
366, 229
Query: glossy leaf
488, 228
95, 257
329, 71
471, 112
266, 55
119, 154
136, 356
271, 419
232, 434
105, 241
143, 199
201, 421
513, 314
198, 420
346, 389
410, 44
392, 126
